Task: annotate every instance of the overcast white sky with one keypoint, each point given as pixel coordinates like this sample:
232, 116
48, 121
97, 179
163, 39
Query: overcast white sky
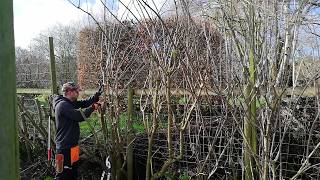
34, 16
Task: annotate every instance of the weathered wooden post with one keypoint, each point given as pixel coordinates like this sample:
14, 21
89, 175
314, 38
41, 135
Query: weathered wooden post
130, 135
9, 148
250, 129
54, 88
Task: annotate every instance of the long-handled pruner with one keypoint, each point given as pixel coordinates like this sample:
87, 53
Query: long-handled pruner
49, 148
49, 139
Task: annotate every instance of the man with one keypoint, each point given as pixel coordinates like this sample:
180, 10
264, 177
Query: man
68, 115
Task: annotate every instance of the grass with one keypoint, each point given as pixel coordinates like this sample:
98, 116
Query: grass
94, 121
173, 176
137, 123
48, 178
183, 101
43, 99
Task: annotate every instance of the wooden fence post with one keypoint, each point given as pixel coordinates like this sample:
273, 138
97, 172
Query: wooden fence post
130, 135
9, 147
54, 87
250, 142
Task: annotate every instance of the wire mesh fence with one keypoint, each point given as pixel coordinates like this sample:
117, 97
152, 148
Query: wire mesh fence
214, 143
213, 140
33, 75
37, 74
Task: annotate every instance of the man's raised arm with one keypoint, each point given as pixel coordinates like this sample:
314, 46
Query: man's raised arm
89, 101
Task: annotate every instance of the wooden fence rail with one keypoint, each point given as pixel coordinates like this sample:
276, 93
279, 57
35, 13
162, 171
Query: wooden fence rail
298, 91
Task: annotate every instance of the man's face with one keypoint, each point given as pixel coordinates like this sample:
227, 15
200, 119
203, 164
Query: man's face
73, 94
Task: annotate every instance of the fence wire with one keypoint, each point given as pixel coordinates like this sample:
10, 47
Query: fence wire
214, 143
38, 75
213, 139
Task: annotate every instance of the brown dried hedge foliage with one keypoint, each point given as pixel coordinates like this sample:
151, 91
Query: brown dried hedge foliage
197, 45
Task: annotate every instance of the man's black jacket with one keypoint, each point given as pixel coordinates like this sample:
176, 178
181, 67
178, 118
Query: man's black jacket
68, 116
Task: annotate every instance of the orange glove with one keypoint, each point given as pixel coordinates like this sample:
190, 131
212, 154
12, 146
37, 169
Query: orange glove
96, 105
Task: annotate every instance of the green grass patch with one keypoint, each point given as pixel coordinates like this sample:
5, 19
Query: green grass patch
137, 123
172, 176
184, 176
94, 122
48, 178
183, 101
43, 99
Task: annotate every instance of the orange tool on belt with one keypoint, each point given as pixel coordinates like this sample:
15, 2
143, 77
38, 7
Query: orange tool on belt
59, 163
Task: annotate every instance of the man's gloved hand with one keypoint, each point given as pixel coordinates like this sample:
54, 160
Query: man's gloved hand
98, 93
95, 106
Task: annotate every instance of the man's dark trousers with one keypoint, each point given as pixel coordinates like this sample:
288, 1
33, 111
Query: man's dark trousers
70, 172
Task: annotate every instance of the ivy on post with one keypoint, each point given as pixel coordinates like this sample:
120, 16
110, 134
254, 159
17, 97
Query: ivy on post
9, 149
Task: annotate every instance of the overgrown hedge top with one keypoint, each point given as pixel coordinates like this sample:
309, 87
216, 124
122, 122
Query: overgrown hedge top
128, 52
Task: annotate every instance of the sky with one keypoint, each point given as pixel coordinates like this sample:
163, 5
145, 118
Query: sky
31, 17
34, 16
